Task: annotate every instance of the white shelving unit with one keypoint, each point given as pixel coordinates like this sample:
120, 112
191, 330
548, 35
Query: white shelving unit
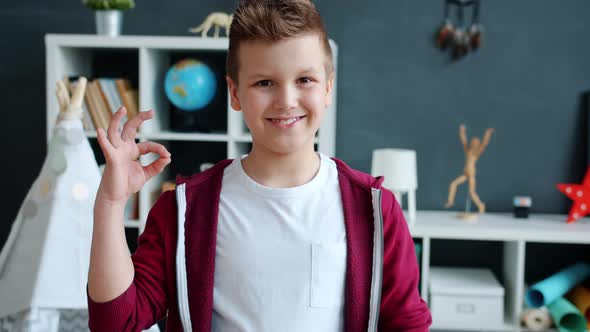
151, 57
511, 234
71, 55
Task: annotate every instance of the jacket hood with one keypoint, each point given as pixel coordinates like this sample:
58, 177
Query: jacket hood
363, 179
359, 177
202, 176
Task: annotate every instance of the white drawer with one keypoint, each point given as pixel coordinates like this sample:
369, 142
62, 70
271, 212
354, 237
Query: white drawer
464, 311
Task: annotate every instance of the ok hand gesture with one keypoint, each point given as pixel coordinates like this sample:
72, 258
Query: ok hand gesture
123, 174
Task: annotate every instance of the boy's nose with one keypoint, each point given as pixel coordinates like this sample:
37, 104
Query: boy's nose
286, 98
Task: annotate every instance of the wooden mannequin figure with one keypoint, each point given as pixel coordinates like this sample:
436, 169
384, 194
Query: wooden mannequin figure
472, 153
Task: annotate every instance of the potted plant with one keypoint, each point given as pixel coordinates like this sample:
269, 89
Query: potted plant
109, 15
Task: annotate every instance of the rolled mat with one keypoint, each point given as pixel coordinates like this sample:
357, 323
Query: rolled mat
537, 319
557, 285
580, 297
566, 316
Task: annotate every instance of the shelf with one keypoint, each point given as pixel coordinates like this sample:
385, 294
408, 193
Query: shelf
197, 137
501, 227
246, 138
504, 327
523, 246
175, 136
132, 223
131, 41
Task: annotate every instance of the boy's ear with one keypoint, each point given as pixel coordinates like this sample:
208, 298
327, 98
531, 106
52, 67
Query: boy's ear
329, 89
233, 93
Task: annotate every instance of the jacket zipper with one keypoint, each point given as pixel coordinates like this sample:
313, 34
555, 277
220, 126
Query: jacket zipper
181, 282
376, 282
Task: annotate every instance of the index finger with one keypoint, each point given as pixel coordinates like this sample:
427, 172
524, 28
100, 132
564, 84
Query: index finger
152, 147
130, 128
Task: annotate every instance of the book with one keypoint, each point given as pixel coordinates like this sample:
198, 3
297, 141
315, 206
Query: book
130, 101
112, 89
132, 97
102, 111
105, 110
108, 97
111, 97
92, 108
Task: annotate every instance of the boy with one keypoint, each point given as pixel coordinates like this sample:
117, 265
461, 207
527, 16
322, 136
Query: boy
284, 239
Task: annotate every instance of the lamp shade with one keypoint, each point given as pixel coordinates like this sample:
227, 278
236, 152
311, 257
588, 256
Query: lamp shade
397, 166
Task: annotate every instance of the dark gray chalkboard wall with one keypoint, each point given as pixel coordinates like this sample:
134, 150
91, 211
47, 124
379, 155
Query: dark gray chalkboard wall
394, 89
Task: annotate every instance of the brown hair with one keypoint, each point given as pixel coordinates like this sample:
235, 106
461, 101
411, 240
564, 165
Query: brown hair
273, 20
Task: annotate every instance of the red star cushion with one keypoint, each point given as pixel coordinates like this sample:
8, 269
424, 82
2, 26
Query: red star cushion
580, 194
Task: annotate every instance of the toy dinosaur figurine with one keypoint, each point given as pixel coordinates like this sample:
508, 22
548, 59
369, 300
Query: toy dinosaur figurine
216, 20
472, 153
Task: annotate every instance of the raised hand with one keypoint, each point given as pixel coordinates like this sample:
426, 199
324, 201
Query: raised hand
123, 174
463, 135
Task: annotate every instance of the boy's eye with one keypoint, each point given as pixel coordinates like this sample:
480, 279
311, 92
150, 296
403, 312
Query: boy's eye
305, 80
264, 83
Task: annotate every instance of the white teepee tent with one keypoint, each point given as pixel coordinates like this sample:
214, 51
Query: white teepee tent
44, 263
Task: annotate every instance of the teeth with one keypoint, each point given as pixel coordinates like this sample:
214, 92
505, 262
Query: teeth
285, 122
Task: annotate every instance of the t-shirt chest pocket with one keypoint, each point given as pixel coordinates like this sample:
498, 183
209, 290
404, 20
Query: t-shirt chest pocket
328, 274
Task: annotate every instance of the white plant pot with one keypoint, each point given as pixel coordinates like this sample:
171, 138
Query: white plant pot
109, 22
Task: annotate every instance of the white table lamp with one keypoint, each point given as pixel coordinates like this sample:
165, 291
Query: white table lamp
398, 167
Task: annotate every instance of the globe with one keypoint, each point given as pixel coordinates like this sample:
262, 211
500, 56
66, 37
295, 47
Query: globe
190, 85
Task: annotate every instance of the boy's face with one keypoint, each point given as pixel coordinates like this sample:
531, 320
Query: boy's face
283, 91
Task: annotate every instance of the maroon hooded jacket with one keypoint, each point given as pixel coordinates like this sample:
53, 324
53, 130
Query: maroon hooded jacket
381, 269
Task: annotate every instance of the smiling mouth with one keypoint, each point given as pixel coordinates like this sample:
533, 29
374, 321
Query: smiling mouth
286, 121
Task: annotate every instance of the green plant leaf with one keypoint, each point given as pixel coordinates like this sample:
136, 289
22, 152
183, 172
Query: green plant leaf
109, 4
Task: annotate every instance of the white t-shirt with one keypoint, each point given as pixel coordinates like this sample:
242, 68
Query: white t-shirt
280, 258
